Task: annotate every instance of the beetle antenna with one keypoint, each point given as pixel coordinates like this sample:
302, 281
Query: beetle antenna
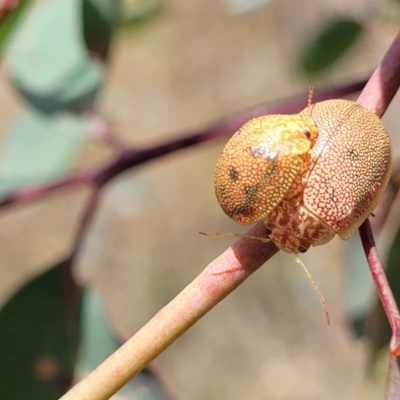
222, 234
310, 95
316, 290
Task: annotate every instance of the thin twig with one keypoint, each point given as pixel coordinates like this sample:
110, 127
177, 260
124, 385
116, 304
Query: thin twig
384, 82
376, 96
379, 277
129, 157
393, 379
6, 6
101, 130
28, 195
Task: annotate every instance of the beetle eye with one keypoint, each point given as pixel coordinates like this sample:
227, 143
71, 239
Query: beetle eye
301, 249
306, 133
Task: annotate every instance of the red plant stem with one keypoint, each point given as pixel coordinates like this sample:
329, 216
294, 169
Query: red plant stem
382, 285
393, 379
384, 82
7, 6
27, 195
376, 96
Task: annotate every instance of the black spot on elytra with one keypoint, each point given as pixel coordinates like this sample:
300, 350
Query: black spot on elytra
242, 210
353, 154
271, 171
220, 190
251, 191
233, 174
245, 208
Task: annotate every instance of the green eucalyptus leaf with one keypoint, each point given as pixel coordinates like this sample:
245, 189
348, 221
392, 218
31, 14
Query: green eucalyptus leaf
98, 338
48, 60
39, 148
100, 18
330, 44
37, 359
145, 386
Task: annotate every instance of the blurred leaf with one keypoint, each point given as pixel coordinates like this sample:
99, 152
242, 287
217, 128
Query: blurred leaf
39, 148
100, 17
390, 9
237, 7
381, 333
99, 342
48, 59
330, 44
8, 23
36, 356
136, 13
145, 386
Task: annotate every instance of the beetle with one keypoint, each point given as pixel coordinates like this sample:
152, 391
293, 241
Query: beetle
308, 176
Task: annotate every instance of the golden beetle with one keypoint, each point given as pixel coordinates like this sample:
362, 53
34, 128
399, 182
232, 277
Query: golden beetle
307, 176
